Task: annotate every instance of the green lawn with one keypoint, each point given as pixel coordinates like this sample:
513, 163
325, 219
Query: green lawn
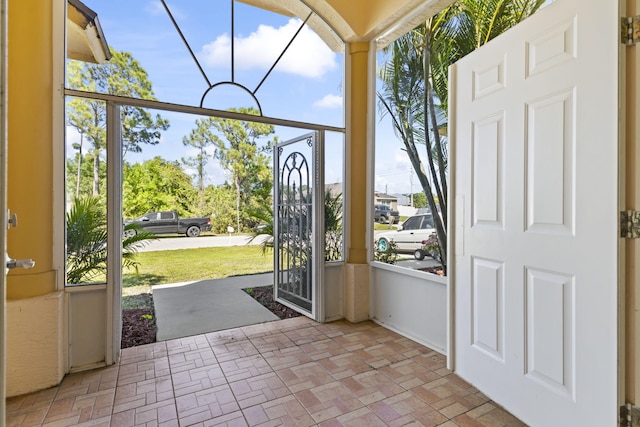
190, 264
378, 226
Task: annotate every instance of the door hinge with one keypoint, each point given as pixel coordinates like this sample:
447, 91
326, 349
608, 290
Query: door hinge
630, 224
629, 416
630, 30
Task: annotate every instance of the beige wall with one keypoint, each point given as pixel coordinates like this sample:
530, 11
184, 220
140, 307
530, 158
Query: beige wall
358, 93
35, 340
30, 148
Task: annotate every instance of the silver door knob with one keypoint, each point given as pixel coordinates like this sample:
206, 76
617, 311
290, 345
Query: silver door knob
12, 221
22, 263
19, 263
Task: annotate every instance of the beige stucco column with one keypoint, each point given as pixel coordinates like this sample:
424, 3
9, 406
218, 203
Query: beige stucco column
359, 123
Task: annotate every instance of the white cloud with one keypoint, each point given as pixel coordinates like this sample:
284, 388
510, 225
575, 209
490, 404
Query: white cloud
307, 56
72, 137
215, 174
329, 101
155, 8
192, 152
402, 160
393, 171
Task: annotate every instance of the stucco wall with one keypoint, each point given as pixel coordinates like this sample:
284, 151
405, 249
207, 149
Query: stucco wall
30, 146
35, 329
412, 303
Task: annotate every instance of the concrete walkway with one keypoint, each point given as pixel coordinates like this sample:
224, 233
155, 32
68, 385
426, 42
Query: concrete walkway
192, 308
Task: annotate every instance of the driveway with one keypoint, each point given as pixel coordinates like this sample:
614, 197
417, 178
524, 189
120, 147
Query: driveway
174, 243
169, 243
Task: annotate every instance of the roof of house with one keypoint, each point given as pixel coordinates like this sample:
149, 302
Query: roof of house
85, 39
384, 196
334, 189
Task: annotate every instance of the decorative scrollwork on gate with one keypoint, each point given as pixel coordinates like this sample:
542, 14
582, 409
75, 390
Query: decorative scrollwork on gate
295, 208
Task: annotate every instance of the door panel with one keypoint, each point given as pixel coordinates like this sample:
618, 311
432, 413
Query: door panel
535, 149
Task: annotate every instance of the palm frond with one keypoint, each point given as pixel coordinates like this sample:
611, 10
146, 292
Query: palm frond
415, 76
87, 241
265, 218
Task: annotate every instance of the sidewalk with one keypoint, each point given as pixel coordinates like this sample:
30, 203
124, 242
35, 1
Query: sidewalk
192, 308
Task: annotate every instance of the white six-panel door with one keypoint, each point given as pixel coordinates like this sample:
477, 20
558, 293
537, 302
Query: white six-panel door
535, 172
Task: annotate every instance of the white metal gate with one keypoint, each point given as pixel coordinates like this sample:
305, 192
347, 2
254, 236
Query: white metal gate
296, 224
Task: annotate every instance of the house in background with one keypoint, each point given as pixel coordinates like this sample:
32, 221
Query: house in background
385, 199
541, 308
334, 189
402, 199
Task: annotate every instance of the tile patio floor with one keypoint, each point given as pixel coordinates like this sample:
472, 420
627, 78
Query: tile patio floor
292, 372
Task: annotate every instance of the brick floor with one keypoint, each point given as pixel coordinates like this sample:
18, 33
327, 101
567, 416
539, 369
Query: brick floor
291, 372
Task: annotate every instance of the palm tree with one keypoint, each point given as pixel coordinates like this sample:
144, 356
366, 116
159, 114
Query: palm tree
415, 86
265, 228
86, 241
406, 96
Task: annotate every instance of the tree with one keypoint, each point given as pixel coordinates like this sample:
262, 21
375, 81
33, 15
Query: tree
221, 201
88, 117
81, 120
238, 151
419, 200
156, 185
80, 175
415, 79
123, 76
200, 138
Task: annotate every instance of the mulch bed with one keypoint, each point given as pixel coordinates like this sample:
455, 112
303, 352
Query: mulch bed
138, 327
435, 270
264, 295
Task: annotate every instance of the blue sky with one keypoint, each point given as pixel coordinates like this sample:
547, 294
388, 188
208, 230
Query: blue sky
306, 85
